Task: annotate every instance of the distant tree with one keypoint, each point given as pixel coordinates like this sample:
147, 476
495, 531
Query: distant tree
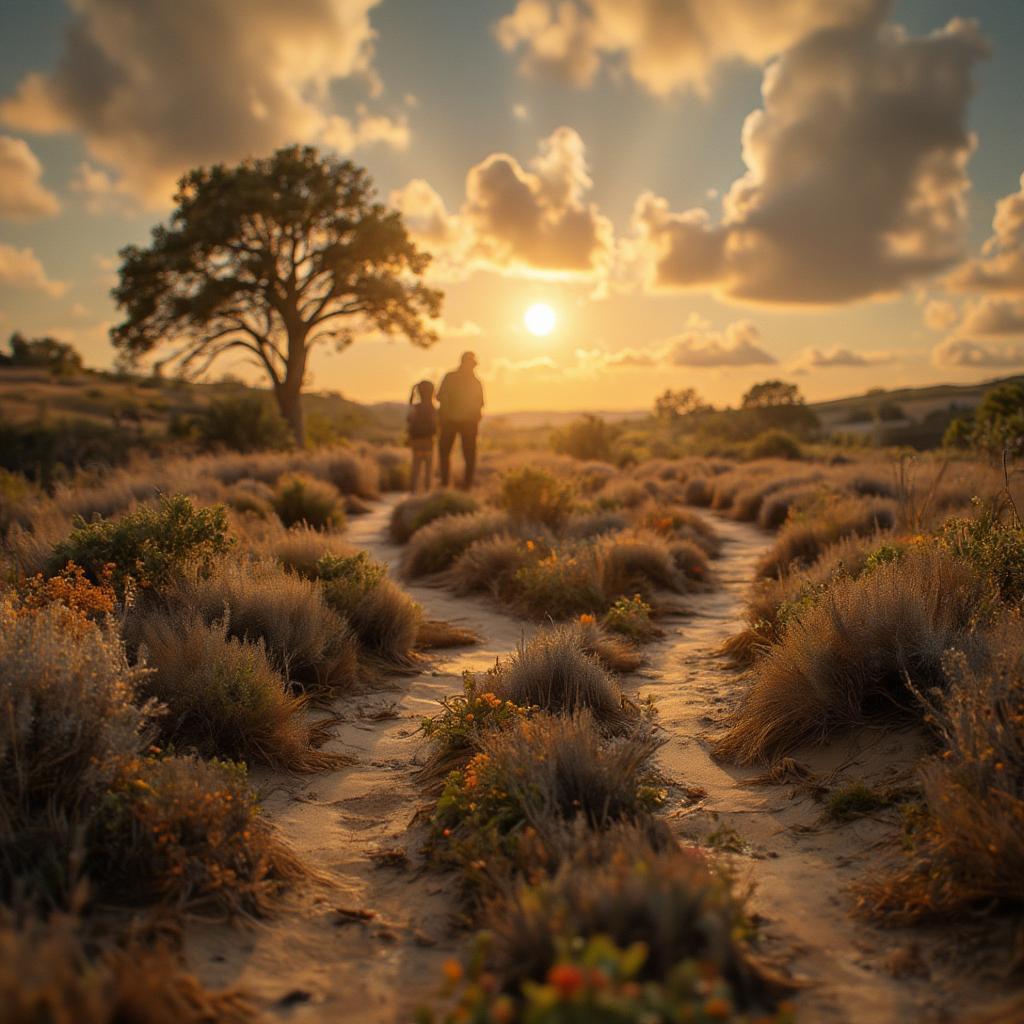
587, 438
273, 256
771, 393
44, 353
674, 405
999, 420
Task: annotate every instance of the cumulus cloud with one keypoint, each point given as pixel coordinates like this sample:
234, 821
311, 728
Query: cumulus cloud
987, 355
738, 345
347, 134
855, 182
1000, 268
819, 359
1001, 317
528, 220
22, 193
20, 268
940, 315
158, 86
663, 46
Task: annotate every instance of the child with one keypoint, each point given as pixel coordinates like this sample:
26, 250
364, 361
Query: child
422, 423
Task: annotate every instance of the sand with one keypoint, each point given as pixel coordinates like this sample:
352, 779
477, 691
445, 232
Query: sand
317, 959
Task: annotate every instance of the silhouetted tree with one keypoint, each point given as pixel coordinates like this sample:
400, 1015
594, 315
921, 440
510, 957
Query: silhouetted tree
44, 354
673, 405
771, 393
272, 256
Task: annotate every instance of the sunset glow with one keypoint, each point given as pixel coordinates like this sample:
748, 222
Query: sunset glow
540, 319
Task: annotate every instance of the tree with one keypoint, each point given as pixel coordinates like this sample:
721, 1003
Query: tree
44, 353
999, 420
673, 405
272, 257
770, 394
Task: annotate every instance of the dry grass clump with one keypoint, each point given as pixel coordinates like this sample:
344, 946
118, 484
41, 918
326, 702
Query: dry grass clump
673, 522
698, 491
748, 501
438, 634
621, 492
222, 695
671, 901
615, 653
414, 513
489, 565
562, 585
968, 851
849, 653
303, 499
636, 563
802, 541
690, 559
250, 497
353, 474
534, 495
779, 505
188, 832
305, 639
71, 715
586, 526
301, 548
392, 466
48, 977
435, 547
554, 673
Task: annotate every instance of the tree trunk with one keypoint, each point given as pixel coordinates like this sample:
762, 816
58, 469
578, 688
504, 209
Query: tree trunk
289, 401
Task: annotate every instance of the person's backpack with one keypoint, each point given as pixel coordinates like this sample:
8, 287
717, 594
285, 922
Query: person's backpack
422, 421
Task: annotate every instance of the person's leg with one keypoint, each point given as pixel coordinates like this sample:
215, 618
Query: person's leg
428, 470
414, 474
469, 452
445, 442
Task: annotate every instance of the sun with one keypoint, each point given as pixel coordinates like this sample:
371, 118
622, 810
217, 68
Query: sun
540, 319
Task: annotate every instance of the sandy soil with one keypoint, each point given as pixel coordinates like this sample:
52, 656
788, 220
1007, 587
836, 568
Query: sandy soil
314, 962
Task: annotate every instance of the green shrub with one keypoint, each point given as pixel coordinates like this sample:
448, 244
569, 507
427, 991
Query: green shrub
561, 586
775, 444
589, 438
536, 495
631, 616
300, 498
993, 546
152, 545
243, 423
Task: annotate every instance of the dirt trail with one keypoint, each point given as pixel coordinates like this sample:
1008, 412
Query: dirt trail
309, 963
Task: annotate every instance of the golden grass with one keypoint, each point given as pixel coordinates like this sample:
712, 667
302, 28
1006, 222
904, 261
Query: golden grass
847, 656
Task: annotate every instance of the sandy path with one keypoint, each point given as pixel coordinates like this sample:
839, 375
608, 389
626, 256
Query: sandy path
308, 964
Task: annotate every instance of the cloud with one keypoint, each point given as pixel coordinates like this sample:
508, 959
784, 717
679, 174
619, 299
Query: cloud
20, 268
1000, 268
940, 315
159, 86
347, 135
738, 345
663, 46
818, 359
100, 192
855, 183
993, 317
531, 220
520, 112
22, 193
542, 367
964, 352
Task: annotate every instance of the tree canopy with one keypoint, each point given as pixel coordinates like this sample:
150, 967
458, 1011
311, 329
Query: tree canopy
272, 257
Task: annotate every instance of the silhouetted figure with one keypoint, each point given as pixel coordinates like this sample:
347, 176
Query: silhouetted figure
461, 399
422, 424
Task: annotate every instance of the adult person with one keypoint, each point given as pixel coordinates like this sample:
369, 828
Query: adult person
460, 406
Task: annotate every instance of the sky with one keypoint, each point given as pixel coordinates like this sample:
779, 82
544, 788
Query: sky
706, 195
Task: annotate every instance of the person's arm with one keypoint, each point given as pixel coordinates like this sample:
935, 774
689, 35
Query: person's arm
479, 399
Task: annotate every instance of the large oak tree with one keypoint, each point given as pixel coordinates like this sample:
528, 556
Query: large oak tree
272, 257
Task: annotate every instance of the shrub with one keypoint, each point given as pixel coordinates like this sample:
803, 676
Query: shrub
671, 902
620, 493
305, 639
698, 491
438, 634
536, 496
638, 563
561, 585
414, 513
151, 546
775, 444
675, 523
616, 654
631, 616
491, 564
47, 975
587, 438
690, 559
385, 618
71, 716
594, 524
435, 547
300, 498
251, 497
244, 423
968, 851
801, 541
994, 547
392, 467
554, 673
301, 548
542, 774
351, 473
848, 654
188, 832
223, 696
778, 506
